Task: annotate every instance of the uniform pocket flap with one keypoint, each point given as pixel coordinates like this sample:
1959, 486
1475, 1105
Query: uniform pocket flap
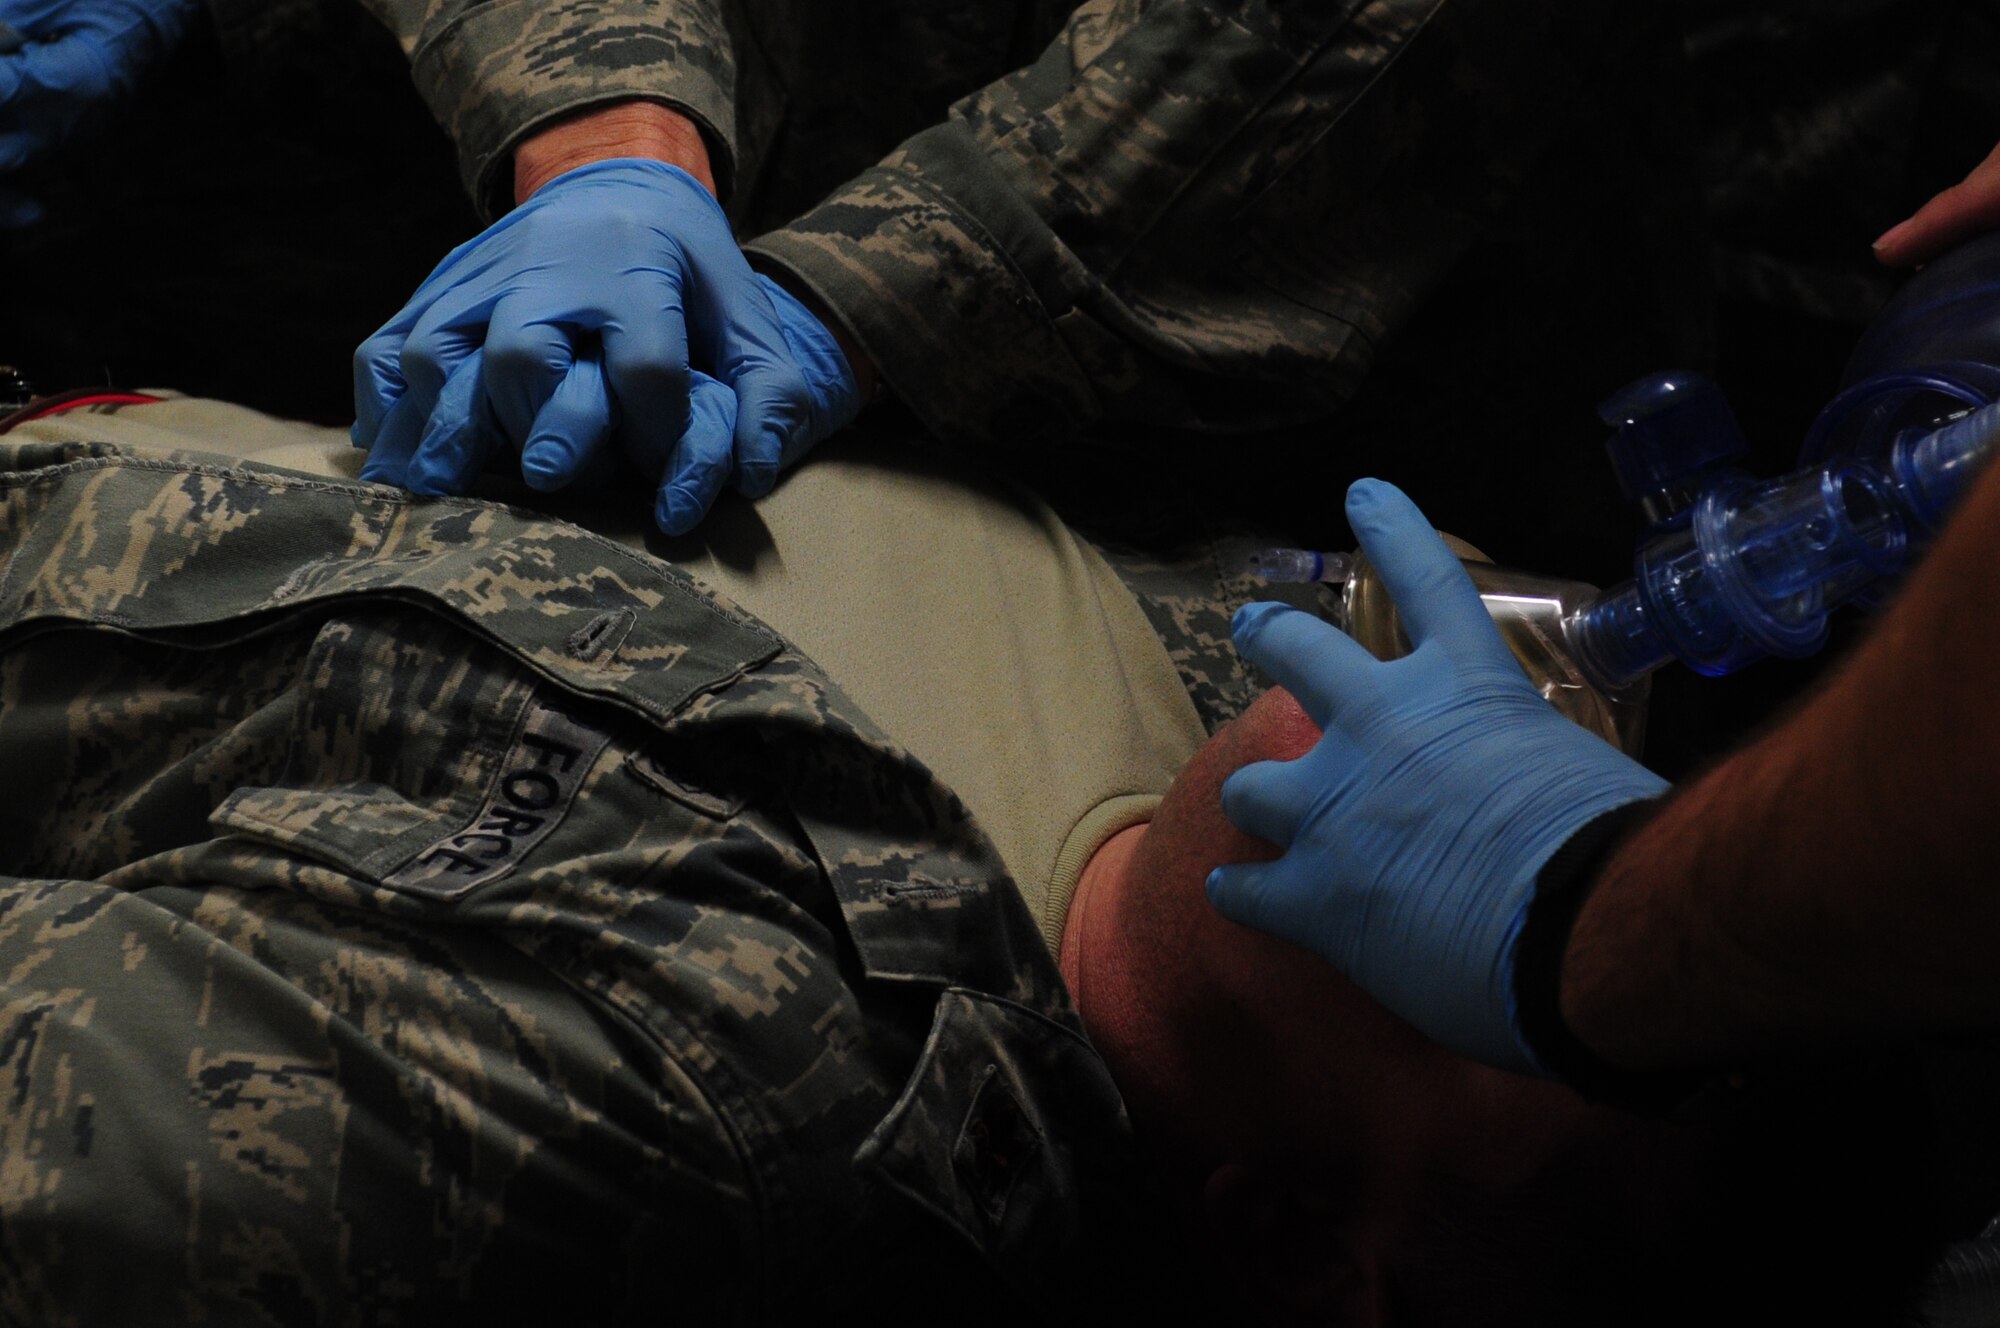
95, 541
1010, 1131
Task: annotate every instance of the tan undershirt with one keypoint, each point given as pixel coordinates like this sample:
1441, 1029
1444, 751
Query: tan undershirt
957, 611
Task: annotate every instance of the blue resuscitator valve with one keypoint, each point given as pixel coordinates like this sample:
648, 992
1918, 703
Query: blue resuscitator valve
1734, 568
1759, 564
1675, 436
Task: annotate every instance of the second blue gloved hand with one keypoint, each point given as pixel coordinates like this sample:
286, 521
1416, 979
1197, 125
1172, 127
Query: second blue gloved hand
1414, 829
597, 316
67, 65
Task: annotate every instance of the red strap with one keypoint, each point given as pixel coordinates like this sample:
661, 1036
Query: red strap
61, 402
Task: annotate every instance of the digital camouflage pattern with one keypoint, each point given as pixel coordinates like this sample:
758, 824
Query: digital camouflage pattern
1189, 593
1210, 213
411, 906
1205, 215
794, 97
491, 70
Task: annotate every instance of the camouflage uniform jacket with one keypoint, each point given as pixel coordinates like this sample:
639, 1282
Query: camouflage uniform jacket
408, 907
1036, 215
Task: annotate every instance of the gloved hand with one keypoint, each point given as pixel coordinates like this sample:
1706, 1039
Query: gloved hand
1414, 829
65, 66
606, 307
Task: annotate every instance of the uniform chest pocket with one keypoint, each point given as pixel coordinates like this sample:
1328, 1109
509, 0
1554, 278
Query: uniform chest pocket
1011, 1133
415, 756
429, 658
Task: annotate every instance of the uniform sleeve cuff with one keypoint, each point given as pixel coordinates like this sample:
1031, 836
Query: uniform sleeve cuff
936, 299
505, 69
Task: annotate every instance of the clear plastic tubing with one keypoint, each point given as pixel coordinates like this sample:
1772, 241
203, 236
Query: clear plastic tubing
1762, 563
1302, 566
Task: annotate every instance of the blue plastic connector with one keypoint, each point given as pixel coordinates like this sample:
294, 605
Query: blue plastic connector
1934, 350
1760, 564
1734, 569
1674, 435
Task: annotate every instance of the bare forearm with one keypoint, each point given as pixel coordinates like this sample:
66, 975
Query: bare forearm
1834, 878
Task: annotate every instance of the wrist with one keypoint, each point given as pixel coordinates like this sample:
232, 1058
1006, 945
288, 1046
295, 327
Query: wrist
1543, 1005
626, 129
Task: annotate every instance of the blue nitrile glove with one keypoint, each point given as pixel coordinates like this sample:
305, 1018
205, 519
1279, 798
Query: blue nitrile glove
1414, 829
623, 271
65, 66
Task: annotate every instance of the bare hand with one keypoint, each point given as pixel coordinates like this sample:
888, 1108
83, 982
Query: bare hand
1970, 207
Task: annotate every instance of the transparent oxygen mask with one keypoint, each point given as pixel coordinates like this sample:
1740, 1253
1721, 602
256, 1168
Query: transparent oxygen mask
1529, 609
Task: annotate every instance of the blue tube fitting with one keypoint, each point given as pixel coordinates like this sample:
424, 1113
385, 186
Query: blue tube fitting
1760, 564
1733, 569
1674, 434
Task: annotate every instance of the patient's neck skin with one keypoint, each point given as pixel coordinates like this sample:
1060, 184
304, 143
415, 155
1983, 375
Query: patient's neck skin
1096, 984
1293, 1118
1102, 951
1235, 1048
1192, 1013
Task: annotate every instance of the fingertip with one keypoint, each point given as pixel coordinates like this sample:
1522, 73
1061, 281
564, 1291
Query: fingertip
546, 465
1230, 894
427, 476
1232, 789
1253, 617
676, 512
1268, 800
1374, 502
1888, 245
1370, 495
756, 477
1362, 493
692, 488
